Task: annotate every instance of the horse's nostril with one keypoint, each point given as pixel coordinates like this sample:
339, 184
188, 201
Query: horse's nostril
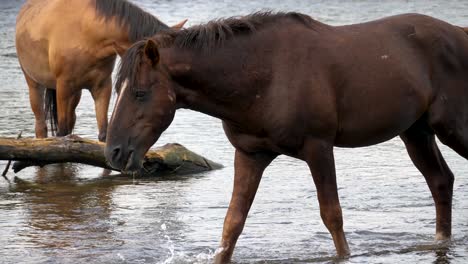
116, 154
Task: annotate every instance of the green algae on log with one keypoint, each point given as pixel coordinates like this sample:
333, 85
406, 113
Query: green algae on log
168, 159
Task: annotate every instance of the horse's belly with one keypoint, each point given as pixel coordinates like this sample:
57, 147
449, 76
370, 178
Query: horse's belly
371, 130
354, 139
382, 108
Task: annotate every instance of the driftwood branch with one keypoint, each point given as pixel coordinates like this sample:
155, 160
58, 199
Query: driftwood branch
7, 167
170, 158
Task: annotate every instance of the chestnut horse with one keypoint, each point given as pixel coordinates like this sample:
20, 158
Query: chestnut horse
69, 45
287, 84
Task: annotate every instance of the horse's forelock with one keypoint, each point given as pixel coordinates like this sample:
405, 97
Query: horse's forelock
129, 66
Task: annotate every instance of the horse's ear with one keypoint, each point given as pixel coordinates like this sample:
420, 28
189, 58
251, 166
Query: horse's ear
119, 49
179, 25
152, 52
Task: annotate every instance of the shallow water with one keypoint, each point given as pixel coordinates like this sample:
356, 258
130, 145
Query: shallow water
71, 214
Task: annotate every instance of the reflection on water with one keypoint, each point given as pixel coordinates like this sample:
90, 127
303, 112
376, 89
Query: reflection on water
59, 208
71, 214
57, 204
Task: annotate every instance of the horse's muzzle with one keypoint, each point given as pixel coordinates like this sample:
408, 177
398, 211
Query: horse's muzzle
122, 158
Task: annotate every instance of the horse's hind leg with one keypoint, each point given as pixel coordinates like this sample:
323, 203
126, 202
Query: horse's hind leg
36, 99
423, 151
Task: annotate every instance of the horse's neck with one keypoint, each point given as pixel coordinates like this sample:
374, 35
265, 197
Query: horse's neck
216, 88
106, 33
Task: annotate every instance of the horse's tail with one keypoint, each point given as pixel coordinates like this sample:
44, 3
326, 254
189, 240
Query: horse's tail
50, 108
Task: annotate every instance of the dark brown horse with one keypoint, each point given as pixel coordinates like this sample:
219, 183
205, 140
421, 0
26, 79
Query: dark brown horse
69, 45
286, 84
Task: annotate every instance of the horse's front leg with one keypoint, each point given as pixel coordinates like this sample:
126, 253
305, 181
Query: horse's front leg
101, 93
319, 157
248, 172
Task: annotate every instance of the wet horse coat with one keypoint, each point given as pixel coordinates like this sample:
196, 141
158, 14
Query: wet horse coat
67, 46
287, 84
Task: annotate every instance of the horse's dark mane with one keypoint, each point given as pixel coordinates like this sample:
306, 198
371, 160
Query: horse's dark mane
203, 38
140, 23
214, 33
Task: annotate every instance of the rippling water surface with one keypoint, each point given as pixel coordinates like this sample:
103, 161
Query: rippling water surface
71, 214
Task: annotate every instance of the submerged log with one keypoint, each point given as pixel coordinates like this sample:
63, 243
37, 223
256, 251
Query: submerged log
170, 158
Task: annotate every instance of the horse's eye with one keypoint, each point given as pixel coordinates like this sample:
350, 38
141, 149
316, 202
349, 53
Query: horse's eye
140, 95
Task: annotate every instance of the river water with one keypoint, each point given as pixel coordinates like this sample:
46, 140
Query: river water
72, 214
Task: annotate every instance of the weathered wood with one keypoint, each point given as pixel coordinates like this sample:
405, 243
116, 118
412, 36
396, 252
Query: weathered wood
7, 167
170, 158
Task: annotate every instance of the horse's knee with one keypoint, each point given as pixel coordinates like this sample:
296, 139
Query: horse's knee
233, 224
447, 184
442, 189
332, 218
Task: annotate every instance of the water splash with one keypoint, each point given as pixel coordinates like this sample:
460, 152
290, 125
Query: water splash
121, 257
170, 247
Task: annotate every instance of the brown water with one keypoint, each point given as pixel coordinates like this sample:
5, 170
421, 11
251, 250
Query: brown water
70, 214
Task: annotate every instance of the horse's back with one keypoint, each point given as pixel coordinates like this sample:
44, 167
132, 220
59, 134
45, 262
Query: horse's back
38, 17
379, 77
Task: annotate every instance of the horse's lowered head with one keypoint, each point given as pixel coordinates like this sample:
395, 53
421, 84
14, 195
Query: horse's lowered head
144, 109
